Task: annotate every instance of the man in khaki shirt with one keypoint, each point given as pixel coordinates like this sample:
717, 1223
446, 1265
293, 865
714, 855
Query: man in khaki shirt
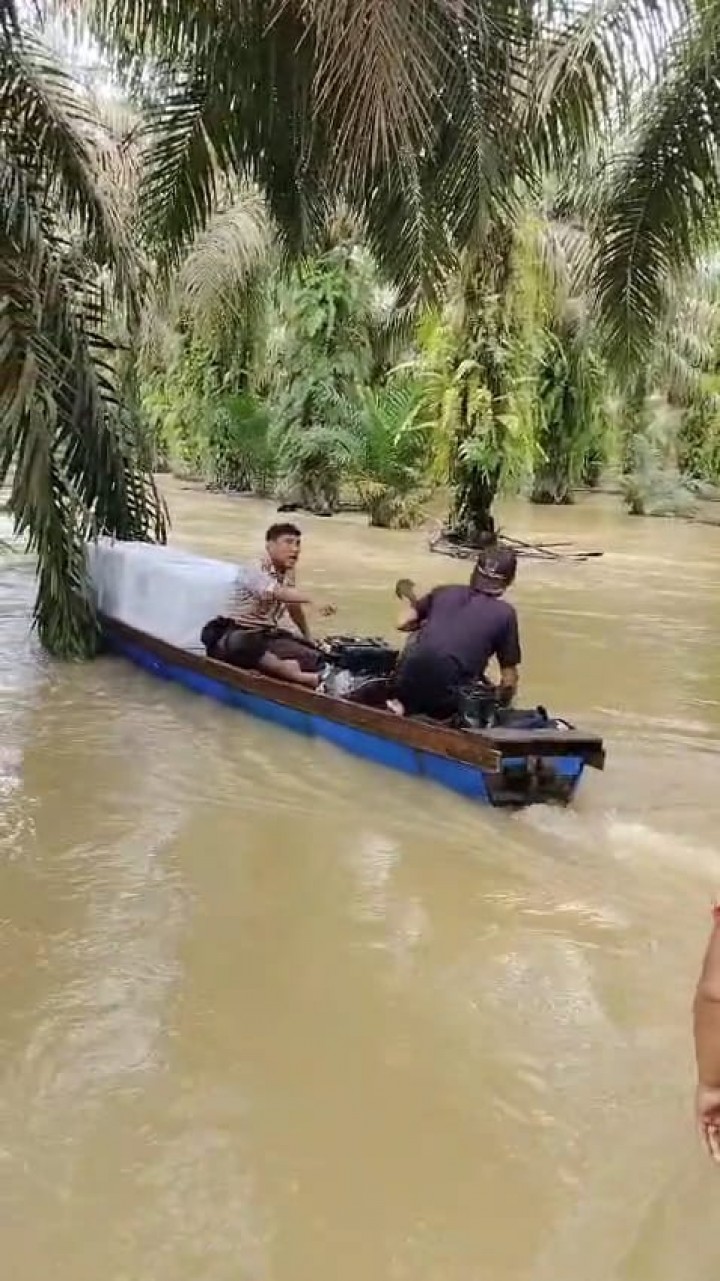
262, 595
256, 601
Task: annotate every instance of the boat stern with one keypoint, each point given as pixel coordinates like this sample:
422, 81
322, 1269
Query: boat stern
534, 780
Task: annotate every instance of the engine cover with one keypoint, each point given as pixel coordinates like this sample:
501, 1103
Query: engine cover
361, 655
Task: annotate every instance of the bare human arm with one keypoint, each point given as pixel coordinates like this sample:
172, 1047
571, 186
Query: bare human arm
297, 614
415, 615
509, 657
290, 596
509, 680
294, 596
706, 1028
408, 621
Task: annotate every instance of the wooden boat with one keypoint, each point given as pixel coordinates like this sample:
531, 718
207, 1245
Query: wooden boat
495, 766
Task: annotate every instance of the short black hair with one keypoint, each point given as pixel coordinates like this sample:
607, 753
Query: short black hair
282, 530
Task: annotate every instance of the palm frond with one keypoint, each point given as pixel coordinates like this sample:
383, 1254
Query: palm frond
560, 250
320, 444
586, 68
686, 342
664, 194
66, 441
187, 138
9, 22
233, 96
120, 153
391, 333
225, 257
406, 229
416, 113
51, 131
148, 35
378, 69
73, 462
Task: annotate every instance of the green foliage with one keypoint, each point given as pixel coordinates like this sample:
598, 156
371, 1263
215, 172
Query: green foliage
265, 349
393, 106
177, 403
389, 464
698, 444
661, 197
67, 441
239, 452
653, 485
202, 332
322, 357
572, 418
475, 366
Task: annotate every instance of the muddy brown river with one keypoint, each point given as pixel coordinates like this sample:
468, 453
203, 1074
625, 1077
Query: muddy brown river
270, 1013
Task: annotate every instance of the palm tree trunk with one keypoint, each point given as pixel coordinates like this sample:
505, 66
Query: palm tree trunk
550, 490
633, 423
487, 282
471, 519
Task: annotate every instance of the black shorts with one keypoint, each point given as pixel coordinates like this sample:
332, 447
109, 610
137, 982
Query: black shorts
286, 645
241, 646
427, 684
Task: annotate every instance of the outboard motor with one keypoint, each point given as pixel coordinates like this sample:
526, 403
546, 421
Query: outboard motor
478, 705
481, 706
357, 664
361, 655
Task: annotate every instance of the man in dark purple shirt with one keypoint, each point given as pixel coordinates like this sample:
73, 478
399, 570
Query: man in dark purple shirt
459, 630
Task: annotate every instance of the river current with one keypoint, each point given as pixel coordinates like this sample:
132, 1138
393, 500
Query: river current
270, 1013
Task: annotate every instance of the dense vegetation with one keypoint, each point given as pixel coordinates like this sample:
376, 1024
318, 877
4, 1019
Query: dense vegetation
335, 250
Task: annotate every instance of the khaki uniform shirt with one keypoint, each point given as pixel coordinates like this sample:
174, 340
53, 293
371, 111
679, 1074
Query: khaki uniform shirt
253, 602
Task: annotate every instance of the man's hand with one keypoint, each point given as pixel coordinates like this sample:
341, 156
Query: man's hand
405, 590
707, 1114
507, 689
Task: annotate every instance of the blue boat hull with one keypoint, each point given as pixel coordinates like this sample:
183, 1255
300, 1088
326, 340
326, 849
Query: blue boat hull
465, 779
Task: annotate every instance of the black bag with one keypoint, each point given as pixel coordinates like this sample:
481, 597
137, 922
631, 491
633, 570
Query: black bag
214, 631
522, 718
530, 718
480, 707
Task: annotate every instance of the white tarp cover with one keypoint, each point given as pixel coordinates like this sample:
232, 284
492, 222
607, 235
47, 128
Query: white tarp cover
164, 591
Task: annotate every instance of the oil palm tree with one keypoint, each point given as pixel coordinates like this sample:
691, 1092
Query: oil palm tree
67, 449
426, 117
431, 116
571, 406
473, 364
433, 121
389, 464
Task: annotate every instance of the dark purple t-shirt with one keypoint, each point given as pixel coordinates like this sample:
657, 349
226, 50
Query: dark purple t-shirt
470, 627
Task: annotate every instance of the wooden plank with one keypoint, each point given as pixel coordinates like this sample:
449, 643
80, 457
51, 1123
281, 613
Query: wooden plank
485, 749
470, 749
565, 742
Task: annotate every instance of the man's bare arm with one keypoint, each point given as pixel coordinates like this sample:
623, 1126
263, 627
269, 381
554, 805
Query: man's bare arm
294, 596
408, 621
706, 1027
509, 678
297, 614
706, 1015
291, 595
